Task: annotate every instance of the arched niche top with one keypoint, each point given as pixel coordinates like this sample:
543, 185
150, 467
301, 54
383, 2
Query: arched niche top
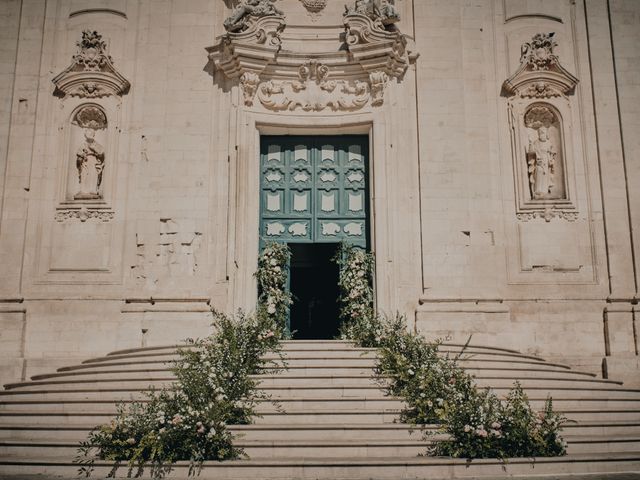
91, 73
89, 11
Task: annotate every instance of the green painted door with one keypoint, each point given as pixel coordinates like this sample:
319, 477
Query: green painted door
314, 189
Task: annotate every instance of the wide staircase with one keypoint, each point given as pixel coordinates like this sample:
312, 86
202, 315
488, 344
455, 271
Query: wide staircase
333, 420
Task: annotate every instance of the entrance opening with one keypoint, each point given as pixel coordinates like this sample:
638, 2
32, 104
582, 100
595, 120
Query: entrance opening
314, 286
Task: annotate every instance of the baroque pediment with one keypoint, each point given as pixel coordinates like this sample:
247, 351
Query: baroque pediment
540, 74
91, 73
277, 65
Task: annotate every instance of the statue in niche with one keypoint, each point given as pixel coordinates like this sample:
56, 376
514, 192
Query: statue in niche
90, 155
542, 153
90, 163
377, 10
237, 21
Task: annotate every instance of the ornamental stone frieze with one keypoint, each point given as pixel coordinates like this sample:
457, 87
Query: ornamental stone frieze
91, 73
279, 65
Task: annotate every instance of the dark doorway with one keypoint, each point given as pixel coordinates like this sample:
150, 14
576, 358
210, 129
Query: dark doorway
314, 286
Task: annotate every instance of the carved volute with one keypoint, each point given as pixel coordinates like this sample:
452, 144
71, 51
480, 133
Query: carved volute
276, 63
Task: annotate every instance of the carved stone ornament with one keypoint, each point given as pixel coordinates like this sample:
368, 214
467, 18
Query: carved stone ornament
346, 78
540, 74
548, 214
83, 214
314, 7
313, 91
382, 12
374, 47
240, 18
91, 74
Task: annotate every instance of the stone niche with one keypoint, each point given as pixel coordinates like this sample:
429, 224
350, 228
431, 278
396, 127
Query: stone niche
82, 238
553, 238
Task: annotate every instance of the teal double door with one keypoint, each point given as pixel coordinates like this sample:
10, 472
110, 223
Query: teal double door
314, 193
314, 189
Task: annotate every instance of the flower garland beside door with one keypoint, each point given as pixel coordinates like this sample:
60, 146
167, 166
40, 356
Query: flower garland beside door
475, 422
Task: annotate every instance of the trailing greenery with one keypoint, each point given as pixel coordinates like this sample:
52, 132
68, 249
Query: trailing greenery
436, 389
215, 387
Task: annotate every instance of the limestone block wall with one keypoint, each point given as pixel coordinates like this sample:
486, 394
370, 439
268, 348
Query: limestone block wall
170, 229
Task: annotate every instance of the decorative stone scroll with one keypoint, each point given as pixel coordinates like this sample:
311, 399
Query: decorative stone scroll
91, 74
539, 105
348, 78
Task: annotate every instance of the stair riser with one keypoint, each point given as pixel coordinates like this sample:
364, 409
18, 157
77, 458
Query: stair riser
255, 453
601, 430
603, 447
630, 416
368, 418
560, 381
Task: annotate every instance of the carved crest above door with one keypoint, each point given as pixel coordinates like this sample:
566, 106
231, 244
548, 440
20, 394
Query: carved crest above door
295, 67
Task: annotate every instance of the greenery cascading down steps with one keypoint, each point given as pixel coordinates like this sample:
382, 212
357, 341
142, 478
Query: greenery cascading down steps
215, 385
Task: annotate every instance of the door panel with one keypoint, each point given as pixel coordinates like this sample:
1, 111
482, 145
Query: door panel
314, 189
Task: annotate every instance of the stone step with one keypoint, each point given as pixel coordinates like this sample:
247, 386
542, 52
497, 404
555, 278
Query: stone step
603, 444
74, 415
368, 390
106, 405
130, 372
309, 432
255, 449
324, 345
392, 431
610, 414
289, 394
319, 361
318, 449
381, 468
290, 354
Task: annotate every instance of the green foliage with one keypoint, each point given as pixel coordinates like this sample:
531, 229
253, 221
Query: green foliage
215, 387
435, 388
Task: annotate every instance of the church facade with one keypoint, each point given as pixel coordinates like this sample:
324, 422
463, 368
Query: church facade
486, 151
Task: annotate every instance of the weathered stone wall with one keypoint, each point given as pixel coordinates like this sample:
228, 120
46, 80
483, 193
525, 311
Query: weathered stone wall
461, 246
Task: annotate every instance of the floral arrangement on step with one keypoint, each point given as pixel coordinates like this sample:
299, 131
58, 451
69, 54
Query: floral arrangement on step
473, 422
215, 387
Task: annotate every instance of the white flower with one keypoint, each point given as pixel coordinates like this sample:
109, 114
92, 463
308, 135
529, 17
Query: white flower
131, 440
271, 308
467, 428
